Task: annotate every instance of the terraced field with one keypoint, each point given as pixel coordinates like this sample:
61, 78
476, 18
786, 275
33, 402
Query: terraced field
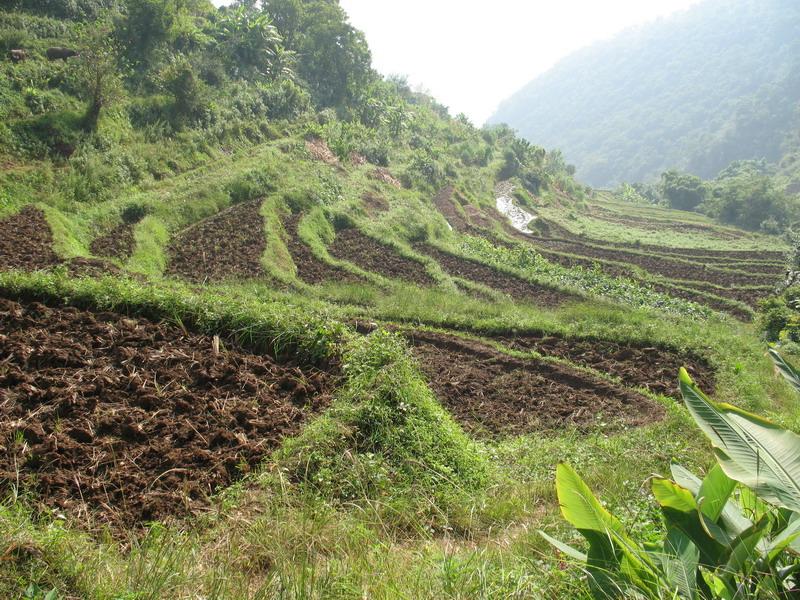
729, 280
275, 340
273, 337
131, 421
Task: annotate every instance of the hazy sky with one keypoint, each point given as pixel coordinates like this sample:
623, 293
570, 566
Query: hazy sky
472, 54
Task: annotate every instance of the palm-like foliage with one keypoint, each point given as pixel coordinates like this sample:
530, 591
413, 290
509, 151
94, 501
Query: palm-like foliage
730, 536
250, 40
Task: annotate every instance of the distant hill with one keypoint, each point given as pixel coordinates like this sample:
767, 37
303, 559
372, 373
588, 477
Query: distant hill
717, 83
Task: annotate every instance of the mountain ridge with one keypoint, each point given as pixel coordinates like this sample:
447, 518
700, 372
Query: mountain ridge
731, 69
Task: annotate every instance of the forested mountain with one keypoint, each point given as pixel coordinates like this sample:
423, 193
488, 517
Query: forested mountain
696, 91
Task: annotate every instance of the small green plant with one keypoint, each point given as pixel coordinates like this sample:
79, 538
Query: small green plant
733, 535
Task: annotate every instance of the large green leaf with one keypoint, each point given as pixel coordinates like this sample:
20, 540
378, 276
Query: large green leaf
684, 477
784, 368
610, 548
671, 495
681, 512
580, 507
564, 548
744, 551
785, 539
732, 518
680, 562
751, 450
603, 562
715, 492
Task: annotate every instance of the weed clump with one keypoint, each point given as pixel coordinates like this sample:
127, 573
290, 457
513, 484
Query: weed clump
388, 439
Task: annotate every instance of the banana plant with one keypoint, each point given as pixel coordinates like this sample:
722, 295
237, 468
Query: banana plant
732, 535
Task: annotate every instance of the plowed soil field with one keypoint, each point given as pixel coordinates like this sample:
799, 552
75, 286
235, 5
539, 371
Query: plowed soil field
122, 421
117, 243
228, 245
515, 287
492, 393
309, 268
26, 241
355, 247
637, 365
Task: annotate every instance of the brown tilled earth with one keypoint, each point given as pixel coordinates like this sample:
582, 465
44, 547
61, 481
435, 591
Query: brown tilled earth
375, 204
319, 150
476, 221
557, 233
26, 241
660, 265
515, 287
126, 421
491, 393
637, 365
355, 247
309, 268
117, 243
444, 204
228, 245
384, 175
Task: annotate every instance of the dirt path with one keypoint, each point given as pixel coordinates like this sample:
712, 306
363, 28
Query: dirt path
355, 247
491, 393
136, 421
228, 245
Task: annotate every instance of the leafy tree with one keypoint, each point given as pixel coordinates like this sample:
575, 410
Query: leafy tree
83, 10
333, 57
97, 70
251, 42
189, 91
151, 28
750, 201
682, 190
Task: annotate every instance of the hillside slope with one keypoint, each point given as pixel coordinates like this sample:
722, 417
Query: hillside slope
695, 91
271, 333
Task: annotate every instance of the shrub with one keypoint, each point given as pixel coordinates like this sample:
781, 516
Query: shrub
191, 95
387, 438
133, 213
11, 39
734, 534
254, 184
376, 151
285, 99
66, 9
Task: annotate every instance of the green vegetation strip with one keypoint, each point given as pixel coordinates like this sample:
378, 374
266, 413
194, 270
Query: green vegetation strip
620, 290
